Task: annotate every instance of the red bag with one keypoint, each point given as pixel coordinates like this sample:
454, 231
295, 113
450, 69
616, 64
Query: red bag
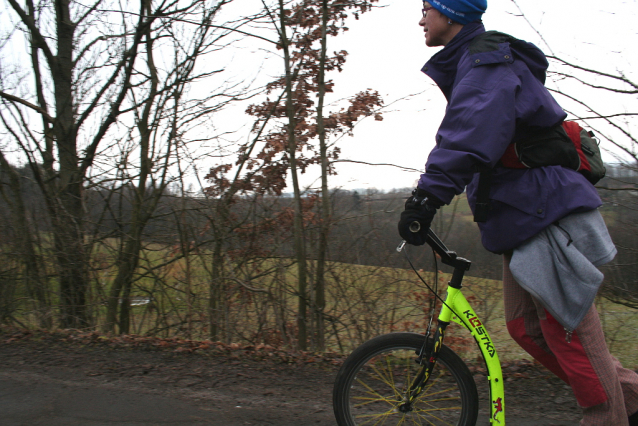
568, 145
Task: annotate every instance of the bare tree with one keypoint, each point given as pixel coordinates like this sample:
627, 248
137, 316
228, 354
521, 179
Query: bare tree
76, 95
286, 126
164, 116
67, 107
23, 248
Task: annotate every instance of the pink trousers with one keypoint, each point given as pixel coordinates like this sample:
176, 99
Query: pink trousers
606, 391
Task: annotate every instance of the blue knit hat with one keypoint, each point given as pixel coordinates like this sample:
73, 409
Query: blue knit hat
461, 11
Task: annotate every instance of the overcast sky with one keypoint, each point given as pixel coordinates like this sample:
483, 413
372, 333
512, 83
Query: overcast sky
387, 50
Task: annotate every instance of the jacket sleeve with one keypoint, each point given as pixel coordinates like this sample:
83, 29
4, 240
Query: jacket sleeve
479, 123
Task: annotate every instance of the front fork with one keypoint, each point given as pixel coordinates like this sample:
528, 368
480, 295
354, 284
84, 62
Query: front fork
427, 358
430, 352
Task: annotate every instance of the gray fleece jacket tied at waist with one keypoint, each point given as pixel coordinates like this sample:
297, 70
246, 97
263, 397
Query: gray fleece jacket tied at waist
558, 266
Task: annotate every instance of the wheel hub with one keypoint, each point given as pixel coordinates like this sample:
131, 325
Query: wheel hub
405, 407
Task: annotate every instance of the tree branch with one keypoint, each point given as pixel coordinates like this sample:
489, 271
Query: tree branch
408, 169
35, 33
36, 108
604, 74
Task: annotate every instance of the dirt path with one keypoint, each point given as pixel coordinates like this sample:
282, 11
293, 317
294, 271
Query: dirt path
85, 379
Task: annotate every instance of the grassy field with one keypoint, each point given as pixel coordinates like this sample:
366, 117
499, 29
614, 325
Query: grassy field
364, 301
397, 299
620, 323
375, 300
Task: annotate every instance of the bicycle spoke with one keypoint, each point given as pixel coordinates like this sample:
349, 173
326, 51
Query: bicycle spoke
376, 394
383, 375
378, 416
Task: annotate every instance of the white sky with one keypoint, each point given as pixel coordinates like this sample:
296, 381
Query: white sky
387, 50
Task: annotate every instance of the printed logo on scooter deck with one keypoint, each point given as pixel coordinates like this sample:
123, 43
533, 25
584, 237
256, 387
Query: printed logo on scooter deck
484, 338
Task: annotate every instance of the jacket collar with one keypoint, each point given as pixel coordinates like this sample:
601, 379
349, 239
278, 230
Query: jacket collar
442, 66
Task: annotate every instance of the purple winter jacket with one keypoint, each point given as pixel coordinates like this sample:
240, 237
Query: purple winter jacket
492, 97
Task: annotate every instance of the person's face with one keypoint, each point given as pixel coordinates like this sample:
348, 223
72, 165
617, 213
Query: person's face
438, 32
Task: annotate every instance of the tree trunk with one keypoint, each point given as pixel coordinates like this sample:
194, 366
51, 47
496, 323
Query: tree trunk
68, 223
298, 228
34, 280
119, 300
320, 286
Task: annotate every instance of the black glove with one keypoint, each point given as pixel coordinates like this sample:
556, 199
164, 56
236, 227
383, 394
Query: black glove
417, 217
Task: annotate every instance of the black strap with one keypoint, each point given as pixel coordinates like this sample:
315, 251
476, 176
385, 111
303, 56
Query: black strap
483, 194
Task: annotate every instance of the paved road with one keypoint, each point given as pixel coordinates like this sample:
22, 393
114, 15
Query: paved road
42, 402
53, 404
33, 401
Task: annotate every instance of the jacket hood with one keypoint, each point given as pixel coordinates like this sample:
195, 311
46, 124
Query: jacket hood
485, 46
533, 57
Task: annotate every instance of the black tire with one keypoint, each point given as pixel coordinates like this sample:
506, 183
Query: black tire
372, 382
